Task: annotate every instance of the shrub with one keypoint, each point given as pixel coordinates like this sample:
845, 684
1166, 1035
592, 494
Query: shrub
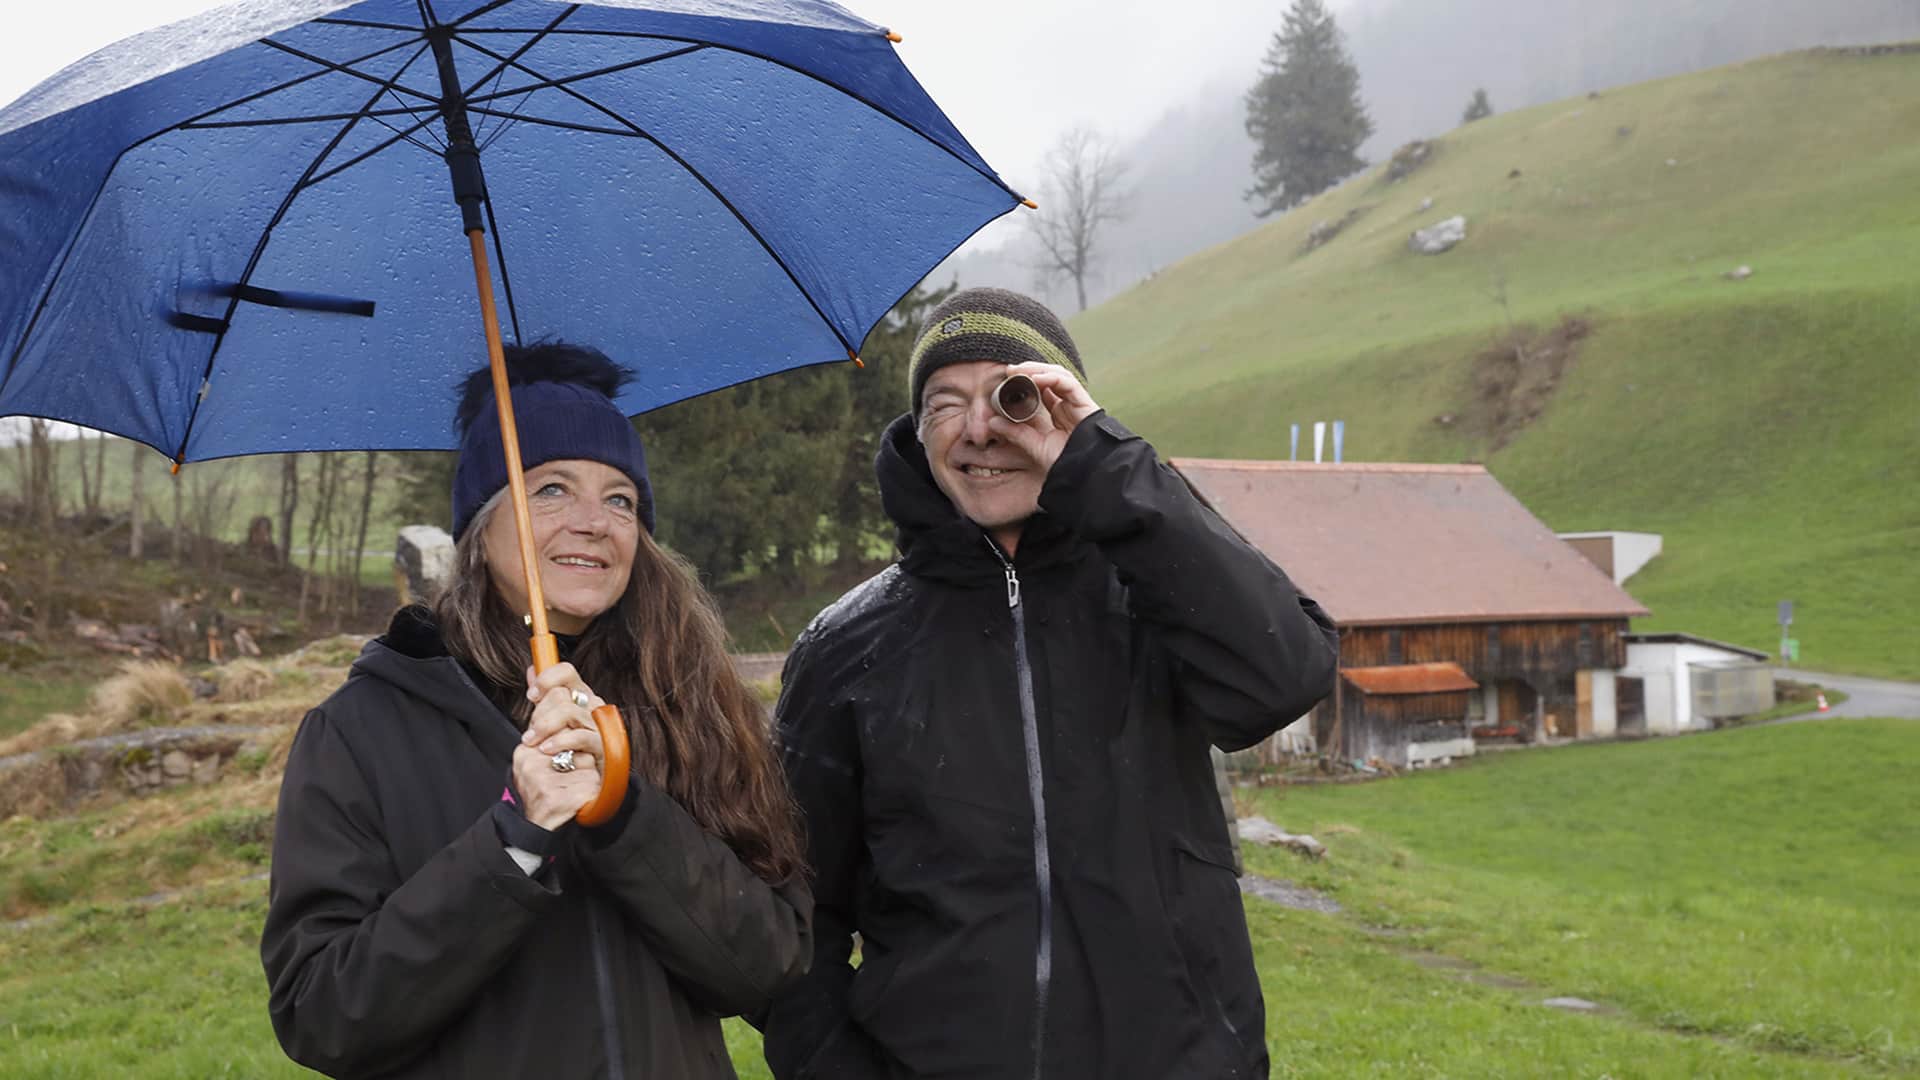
144, 693
242, 680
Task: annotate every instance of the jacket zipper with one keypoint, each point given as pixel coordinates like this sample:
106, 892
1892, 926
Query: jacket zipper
1036, 792
603, 979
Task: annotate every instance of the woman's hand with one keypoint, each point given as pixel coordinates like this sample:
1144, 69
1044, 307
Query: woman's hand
560, 722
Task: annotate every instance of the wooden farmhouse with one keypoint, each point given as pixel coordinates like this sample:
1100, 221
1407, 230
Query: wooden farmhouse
1461, 615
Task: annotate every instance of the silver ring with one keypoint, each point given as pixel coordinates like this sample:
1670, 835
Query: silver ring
581, 699
563, 761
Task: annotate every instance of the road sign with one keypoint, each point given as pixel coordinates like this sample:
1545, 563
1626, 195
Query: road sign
1786, 613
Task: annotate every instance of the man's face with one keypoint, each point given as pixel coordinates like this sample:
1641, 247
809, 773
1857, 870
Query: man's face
990, 480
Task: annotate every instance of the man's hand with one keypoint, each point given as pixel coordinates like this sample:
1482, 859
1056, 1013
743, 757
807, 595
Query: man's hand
1063, 404
550, 798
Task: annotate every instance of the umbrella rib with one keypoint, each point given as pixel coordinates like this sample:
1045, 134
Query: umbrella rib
327, 21
822, 80
384, 84
641, 132
426, 125
420, 125
278, 121
46, 295
259, 249
194, 121
399, 135
486, 8
567, 125
500, 70
318, 178
563, 80
500, 257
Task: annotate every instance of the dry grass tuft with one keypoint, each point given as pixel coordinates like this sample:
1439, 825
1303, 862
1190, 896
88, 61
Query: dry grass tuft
33, 789
144, 693
243, 680
277, 751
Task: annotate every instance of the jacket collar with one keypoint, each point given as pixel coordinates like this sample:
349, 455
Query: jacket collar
413, 658
935, 541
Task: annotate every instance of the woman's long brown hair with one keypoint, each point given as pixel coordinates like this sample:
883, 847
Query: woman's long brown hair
698, 732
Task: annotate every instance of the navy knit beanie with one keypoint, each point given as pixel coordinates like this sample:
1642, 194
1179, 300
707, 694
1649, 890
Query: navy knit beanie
988, 324
563, 407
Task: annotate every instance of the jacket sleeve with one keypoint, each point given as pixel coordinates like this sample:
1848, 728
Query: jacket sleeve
1250, 653
807, 1029
730, 938
365, 968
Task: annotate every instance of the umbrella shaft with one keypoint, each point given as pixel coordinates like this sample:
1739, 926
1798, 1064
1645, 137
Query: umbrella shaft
462, 154
545, 650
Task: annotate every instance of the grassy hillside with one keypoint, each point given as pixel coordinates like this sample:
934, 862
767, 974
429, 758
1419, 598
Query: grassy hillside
1767, 427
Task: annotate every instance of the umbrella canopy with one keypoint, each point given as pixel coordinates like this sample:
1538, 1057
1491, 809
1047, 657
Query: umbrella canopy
237, 235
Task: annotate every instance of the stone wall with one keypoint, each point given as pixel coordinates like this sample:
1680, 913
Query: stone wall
136, 763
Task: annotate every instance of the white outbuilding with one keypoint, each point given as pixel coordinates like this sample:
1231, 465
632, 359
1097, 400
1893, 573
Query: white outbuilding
1679, 682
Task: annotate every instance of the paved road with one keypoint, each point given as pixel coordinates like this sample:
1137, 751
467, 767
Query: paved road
1867, 697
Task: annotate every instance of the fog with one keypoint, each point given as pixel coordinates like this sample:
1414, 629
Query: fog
1419, 62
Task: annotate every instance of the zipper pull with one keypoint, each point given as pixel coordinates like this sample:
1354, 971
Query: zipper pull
1013, 579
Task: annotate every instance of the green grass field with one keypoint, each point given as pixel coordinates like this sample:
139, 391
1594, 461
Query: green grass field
1765, 427
1745, 891
1740, 904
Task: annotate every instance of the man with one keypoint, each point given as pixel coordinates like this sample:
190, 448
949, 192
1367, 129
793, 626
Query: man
1000, 743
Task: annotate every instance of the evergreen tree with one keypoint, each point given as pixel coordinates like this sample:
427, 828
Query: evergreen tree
775, 474
1477, 109
1304, 112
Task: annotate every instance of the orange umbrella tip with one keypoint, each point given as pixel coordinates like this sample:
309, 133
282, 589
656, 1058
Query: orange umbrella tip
893, 37
1029, 204
857, 362
175, 471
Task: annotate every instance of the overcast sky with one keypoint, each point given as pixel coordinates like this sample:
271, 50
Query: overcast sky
1011, 73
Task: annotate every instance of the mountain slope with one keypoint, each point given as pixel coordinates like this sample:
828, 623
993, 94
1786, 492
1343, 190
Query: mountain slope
1766, 426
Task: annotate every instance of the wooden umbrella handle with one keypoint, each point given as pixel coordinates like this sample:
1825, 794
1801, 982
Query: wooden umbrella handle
615, 765
546, 652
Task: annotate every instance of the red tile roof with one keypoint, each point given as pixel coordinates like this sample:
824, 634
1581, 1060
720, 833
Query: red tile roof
1389, 544
1441, 678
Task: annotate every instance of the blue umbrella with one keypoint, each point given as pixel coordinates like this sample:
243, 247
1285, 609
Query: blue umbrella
235, 234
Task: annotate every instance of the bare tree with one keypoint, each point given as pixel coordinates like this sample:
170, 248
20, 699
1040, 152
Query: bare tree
43, 493
99, 470
289, 502
89, 495
138, 499
1080, 195
179, 516
360, 536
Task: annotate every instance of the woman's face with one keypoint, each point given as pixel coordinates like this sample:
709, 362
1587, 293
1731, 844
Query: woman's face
586, 525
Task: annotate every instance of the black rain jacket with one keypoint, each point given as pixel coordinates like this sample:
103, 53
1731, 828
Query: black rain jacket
402, 940
1013, 805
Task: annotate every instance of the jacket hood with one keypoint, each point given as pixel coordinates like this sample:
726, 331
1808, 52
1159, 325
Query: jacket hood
933, 538
412, 658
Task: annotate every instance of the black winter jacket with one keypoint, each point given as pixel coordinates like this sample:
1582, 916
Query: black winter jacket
402, 940
1014, 806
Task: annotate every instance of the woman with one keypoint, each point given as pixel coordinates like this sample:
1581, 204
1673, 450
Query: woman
435, 911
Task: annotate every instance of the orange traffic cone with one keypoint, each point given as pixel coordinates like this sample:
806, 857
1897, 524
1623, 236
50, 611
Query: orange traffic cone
1822, 699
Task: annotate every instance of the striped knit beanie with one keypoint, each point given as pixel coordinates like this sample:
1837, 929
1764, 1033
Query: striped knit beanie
988, 324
